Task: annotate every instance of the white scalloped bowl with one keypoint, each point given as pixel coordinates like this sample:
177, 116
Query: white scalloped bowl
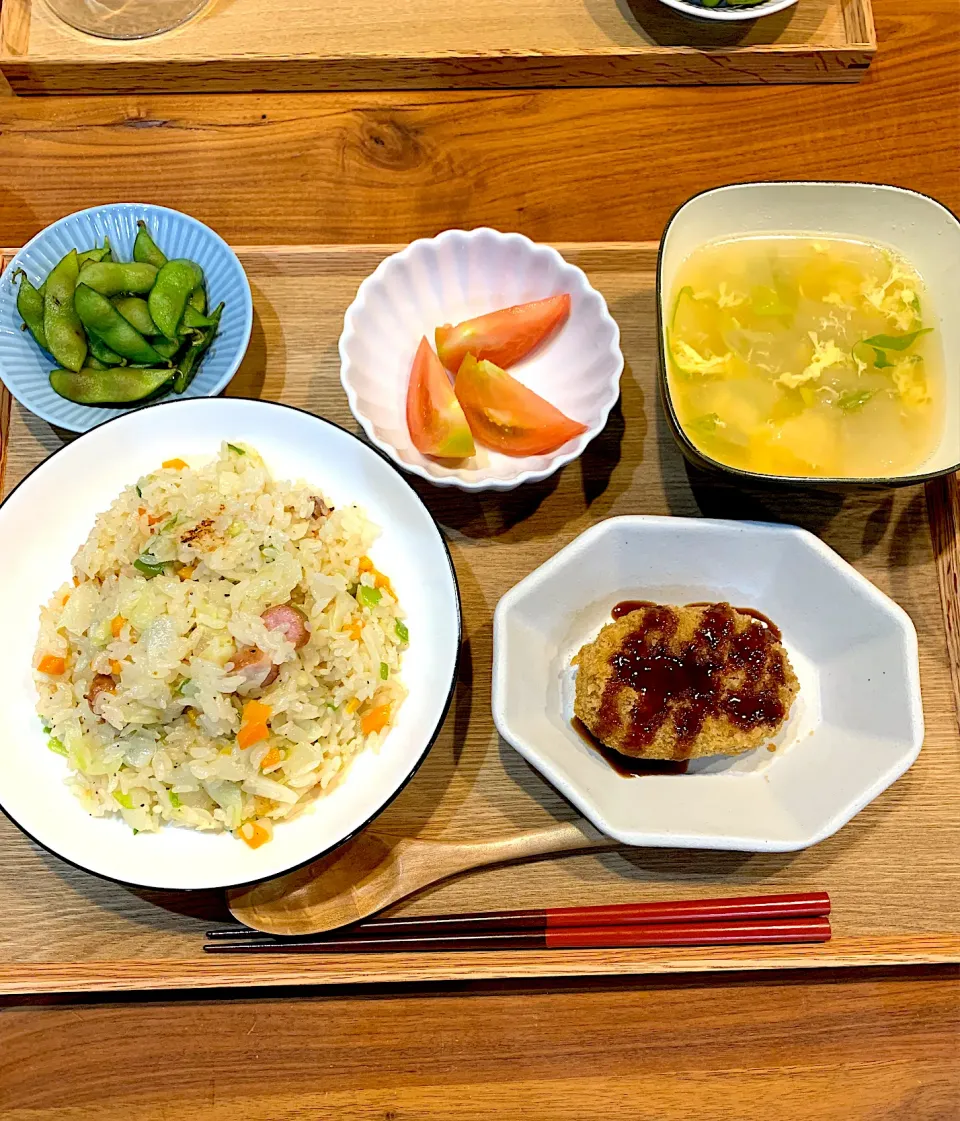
453, 277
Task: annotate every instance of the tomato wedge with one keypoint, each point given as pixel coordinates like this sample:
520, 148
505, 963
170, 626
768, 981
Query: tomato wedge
506, 416
502, 337
434, 416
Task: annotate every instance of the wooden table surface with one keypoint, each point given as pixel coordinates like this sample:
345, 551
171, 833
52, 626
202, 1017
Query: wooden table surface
587, 165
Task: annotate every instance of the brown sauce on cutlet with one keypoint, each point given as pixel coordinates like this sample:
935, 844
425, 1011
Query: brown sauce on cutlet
751, 611
761, 618
688, 685
628, 606
627, 765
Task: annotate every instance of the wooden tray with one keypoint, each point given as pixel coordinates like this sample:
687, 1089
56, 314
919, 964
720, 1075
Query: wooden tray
253, 45
893, 872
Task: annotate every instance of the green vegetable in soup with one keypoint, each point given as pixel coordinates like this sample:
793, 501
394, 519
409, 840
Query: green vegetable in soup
855, 399
897, 342
768, 302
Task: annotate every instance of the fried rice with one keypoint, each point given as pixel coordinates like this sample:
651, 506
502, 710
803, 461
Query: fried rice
224, 650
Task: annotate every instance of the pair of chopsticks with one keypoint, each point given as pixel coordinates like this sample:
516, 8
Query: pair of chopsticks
751, 920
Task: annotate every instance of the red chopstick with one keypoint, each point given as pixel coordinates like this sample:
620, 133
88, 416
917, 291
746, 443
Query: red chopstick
814, 904
723, 933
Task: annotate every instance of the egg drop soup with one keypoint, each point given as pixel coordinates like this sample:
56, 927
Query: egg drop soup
801, 356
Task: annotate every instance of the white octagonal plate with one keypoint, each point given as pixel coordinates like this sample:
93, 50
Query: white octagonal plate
855, 727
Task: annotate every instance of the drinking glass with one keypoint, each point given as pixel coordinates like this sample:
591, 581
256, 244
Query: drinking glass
125, 19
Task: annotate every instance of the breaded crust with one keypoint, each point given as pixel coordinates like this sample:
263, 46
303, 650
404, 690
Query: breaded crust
668, 682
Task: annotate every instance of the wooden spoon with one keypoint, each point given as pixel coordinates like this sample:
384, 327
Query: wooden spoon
375, 869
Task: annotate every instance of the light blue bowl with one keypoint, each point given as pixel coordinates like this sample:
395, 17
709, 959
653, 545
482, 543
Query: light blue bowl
25, 367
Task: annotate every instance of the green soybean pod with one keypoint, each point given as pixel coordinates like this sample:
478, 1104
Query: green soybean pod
66, 340
193, 319
30, 307
108, 387
95, 255
145, 248
168, 297
187, 366
102, 353
135, 311
102, 319
167, 348
115, 278
198, 299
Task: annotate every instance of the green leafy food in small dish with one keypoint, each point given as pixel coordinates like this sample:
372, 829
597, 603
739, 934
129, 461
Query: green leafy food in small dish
119, 331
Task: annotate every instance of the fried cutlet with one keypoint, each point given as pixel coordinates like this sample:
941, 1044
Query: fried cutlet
668, 682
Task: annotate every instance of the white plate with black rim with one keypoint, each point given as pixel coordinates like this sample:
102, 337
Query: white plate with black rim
49, 515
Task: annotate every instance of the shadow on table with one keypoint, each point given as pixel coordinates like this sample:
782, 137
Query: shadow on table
641, 865
657, 24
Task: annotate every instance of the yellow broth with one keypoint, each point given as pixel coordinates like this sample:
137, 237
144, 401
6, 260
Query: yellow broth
803, 356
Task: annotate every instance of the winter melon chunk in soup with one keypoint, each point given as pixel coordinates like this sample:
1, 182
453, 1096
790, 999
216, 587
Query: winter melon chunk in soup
804, 356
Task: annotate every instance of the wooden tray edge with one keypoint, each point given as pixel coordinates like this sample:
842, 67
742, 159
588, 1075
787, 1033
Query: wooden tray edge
287, 970
943, 512
943, 504
859, 24
812, 67
843, 62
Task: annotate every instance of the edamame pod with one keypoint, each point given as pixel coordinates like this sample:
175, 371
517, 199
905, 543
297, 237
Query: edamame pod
167, 348
102, 319
61, 323
193, 318
135, 311
187, 365
108, 387
30, 307
198, 299
92, 255
115, 278
145, 248
102, 353
168, 297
